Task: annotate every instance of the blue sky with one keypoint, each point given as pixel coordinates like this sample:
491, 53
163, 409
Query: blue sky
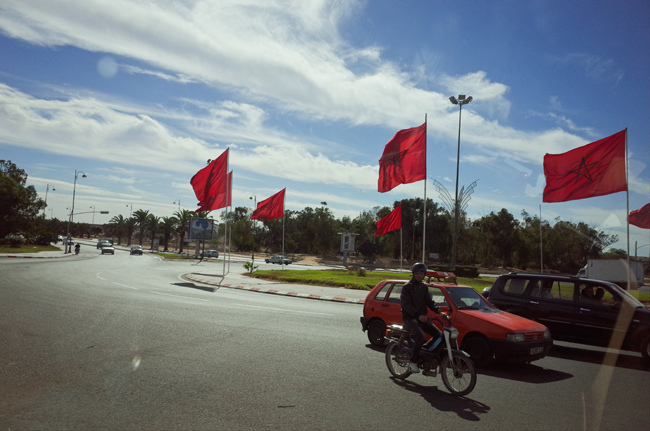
139, 95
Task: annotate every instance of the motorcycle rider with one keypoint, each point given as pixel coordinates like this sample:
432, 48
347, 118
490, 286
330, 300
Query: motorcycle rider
415, 299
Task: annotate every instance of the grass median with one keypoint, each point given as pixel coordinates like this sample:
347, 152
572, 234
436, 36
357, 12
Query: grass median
349, 279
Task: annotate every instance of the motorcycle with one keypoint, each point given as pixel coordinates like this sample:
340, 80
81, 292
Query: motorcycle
76, 249
454, 365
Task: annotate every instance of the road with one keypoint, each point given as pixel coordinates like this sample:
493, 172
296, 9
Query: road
126, 342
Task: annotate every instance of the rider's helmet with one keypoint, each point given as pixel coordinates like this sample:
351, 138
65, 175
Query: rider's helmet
419, 267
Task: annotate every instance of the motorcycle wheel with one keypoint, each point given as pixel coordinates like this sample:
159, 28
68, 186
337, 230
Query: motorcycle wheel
398, 360
459, 374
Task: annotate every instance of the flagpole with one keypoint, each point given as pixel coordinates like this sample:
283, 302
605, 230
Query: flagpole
541, 245
225, 226
283, 200
400, 248
424, 216
627, 210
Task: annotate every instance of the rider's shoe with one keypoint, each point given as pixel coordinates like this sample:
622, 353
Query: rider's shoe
414, 367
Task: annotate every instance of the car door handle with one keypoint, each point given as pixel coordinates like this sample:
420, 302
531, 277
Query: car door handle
385, 305
585, 309
534, 302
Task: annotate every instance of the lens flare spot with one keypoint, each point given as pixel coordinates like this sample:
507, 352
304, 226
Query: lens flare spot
135, 363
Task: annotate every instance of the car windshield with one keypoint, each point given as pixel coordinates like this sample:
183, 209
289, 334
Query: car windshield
466, 298
624, 295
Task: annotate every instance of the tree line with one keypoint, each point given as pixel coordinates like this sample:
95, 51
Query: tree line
497, 239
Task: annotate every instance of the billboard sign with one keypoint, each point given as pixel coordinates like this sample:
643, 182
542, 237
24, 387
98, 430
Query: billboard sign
201, 229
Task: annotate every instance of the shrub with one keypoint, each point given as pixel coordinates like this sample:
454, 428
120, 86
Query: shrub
15, 240
249, 267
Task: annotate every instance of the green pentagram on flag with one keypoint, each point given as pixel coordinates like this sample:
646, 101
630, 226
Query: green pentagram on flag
583, 170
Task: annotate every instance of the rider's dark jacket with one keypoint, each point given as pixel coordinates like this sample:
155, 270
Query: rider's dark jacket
415, 299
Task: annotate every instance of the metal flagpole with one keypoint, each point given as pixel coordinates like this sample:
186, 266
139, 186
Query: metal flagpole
541, 245
283, 199
627, 211
400, 248
424, 215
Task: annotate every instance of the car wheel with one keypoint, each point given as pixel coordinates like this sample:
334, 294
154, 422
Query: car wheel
376, 332
480, 351
645, 348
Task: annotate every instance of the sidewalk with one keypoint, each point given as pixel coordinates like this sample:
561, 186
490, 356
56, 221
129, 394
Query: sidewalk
39, 255
239, 281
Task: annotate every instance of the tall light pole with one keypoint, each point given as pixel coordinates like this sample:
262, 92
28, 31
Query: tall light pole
131, 211
462, 100
92, 223
637, 248
47, 190
178, 201
68, 249
254, 197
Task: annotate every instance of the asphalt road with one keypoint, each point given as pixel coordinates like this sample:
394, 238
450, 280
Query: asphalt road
127, 342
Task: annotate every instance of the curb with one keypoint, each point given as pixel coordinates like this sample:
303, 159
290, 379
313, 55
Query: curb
278, 292
34, 257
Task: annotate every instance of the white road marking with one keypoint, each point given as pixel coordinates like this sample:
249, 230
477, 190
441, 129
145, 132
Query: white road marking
179, 296
125, 285
283, 309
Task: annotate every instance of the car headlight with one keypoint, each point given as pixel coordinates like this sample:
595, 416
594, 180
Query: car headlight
547, 335
515, 338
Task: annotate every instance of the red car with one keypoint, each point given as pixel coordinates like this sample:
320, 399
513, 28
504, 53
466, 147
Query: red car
485, 332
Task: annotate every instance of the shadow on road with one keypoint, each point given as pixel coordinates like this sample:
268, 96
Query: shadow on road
464, 407
194, 286
621, 359
526, 373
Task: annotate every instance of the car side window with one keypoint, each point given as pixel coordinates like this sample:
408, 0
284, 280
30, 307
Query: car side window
438, 297
590, 294
381, 294
395, 293
514, 286
549, 289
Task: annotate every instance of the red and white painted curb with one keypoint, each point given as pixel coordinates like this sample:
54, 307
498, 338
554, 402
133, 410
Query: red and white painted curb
13, 256
194, 277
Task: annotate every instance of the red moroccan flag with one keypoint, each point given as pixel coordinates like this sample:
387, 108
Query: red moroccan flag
594, 169
640, 217
211, 184
391, 222
405, 159
272, 207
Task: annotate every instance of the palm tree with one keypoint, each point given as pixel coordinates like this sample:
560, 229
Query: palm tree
183, 218
168, 226
118, 227
130, 227
152, 226
140, 217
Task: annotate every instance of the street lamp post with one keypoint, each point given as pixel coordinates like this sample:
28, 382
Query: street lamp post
254, 197
93, 222
131, 211
178, 201
47, 189
68, 248
462, 100
636, 249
